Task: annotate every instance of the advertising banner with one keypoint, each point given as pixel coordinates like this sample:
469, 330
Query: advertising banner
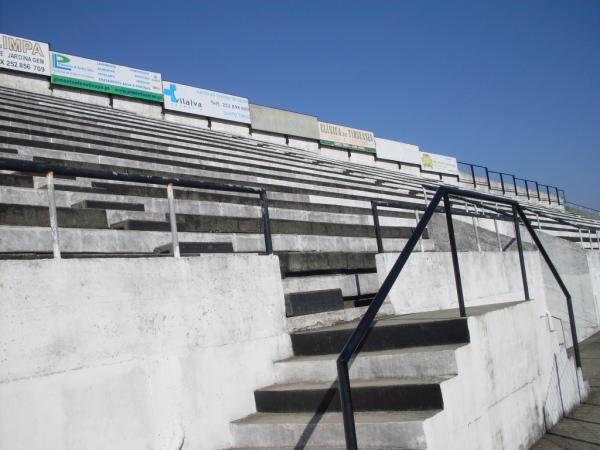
83, 73
398, 151
346, 137
439, 163
24, 55
203, 102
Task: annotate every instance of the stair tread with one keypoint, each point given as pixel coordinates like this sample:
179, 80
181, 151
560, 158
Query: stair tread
377, 382
416, 318
370, 354
336, 417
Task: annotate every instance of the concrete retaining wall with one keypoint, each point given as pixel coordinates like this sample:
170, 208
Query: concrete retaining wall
135, 353
427, 282
503, 386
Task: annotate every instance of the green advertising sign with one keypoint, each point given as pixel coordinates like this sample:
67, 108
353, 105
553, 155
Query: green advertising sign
82, 73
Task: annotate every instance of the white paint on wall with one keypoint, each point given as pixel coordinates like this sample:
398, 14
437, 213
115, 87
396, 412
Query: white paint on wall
135, 353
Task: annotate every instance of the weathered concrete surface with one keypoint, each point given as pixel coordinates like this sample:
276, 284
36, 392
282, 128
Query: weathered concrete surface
580, 429
135, 353
572, 263
427, 282
496, 400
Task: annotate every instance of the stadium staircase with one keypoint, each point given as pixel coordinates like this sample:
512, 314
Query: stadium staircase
323, 232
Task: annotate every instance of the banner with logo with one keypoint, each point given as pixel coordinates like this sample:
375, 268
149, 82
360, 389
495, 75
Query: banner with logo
439, 163
83, 73
24, 55
346, 137
203, 102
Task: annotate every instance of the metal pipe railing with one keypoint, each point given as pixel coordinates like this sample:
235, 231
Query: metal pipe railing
51, 169
355, 340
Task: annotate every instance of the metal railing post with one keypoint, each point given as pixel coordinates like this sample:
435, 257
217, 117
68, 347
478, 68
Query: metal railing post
421, 244
377, 227
264, 207
537, 188
527, 190
557, 196
496, 228
173, 221
502, 184
487, 176
475, 219
473, 175
548, 192
515, 185
53, 215
459, 289
521, 254
580, 237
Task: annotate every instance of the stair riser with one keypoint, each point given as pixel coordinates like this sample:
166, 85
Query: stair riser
453, 331
379, 398
366, 367
327, 435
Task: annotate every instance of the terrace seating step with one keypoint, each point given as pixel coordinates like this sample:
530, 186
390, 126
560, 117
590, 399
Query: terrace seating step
99, 204
194, 248
16, 180
311, 302
38, 216
310, 263
371, 395
219, 224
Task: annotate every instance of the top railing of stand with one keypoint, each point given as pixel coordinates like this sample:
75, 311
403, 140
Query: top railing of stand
513, 180
34, 167
362, 330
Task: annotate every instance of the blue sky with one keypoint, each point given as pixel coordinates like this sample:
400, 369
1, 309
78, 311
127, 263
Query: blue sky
514, 85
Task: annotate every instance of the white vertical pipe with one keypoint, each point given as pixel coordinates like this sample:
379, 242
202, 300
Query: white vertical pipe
53, 215
173, 220
421, 246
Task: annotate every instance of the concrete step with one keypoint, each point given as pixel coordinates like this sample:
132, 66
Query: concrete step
381, 394
432, 361
38, 216
384, 335
196, 248
311, 263
98, 204
311, 302
402, 429
219, 224
350, 284
13, 179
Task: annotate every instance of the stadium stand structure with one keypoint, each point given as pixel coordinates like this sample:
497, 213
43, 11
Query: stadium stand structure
322, 223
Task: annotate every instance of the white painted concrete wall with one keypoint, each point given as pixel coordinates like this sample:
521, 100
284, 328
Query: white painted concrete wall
427, 282
135, 353
496, 401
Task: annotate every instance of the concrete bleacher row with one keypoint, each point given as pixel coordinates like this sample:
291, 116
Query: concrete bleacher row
320, 207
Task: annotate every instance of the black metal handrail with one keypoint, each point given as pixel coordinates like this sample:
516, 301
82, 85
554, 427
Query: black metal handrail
360, 333
34, 167
514, 182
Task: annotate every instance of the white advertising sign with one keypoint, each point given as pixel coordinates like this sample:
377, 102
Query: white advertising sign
398, 151
346, 137
83, 73
24, 55
439, 163
203, 102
